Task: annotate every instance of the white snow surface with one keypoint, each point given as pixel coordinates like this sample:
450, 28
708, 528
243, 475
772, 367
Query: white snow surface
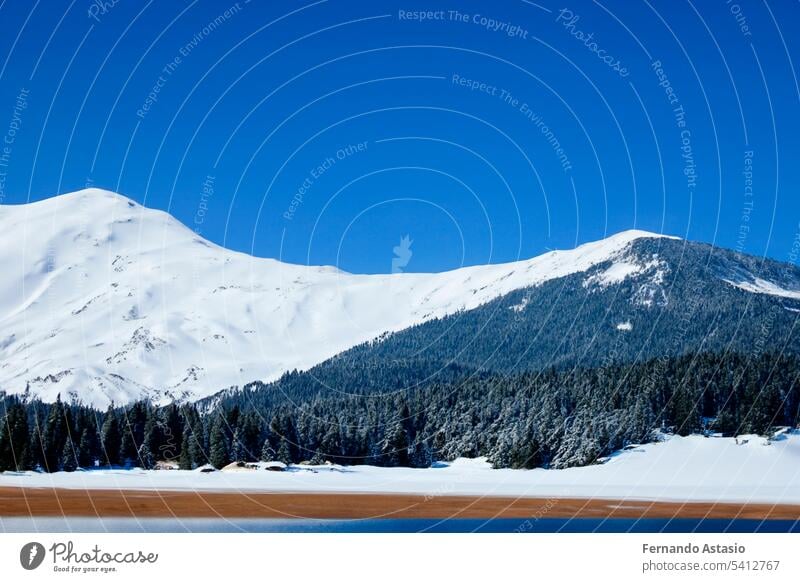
104, 300
765, 287
693, 468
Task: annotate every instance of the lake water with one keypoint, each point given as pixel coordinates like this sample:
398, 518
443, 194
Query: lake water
213, 525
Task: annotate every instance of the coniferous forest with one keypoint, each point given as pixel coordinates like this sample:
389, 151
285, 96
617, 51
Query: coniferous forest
555, 418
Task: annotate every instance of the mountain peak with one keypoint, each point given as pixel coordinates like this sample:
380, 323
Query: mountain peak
98, 194
76, 199
635, 234
639, 233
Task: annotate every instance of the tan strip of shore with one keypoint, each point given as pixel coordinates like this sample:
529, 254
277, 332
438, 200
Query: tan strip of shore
41, 502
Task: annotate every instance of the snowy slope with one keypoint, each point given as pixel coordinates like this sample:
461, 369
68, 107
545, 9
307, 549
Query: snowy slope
760, 286
691, 468
105, 300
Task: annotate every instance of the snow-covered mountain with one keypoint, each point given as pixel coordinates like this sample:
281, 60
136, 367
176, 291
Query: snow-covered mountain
105, 300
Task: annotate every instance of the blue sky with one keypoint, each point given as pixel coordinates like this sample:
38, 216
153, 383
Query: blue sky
324, 132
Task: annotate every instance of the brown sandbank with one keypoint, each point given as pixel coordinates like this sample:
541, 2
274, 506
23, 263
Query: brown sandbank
41, 502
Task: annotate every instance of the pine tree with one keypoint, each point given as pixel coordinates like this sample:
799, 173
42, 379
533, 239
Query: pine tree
238, 452
219, 450
37, 438
87, 447
171, 428
267, 452
128, 453
6, 453
421, 455
502, 454
55, 433
15, 454
150, 446
394, 451
331, 445
686, 413
110, 437
192, 454
185, 461
69, 460
250, 435
725, 422
285, 452
641, 422
146, 457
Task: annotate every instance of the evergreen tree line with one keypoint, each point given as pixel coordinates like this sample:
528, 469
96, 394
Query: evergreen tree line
554, 418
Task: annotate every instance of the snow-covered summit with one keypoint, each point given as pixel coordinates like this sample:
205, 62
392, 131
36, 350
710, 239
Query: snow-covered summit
105, 300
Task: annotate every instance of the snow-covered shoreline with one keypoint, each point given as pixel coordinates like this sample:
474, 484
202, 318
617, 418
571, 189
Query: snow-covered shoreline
749, 469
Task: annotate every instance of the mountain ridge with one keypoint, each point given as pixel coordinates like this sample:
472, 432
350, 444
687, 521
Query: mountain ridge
112, 301
120, 201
